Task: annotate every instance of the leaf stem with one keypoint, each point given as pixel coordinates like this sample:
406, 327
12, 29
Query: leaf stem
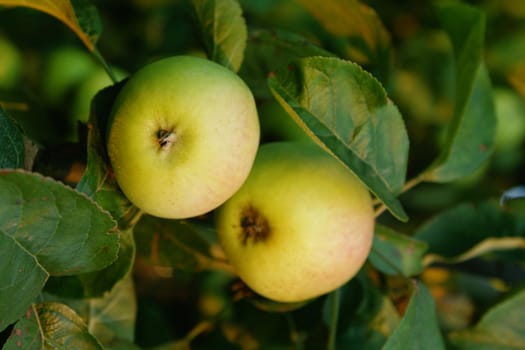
106, 66
200, 328
336, 301
408, 185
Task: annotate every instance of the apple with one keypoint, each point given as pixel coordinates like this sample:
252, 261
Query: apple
65, 68
10, 63
182, 137
97, 80
300, 226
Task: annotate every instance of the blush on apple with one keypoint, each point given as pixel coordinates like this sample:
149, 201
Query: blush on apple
300, 226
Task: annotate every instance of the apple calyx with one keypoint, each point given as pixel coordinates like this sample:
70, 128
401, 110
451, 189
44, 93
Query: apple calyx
166, 139
254, 226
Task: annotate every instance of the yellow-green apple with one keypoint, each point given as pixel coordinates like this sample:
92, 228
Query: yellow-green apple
88, 88
65, 68
300, 226
10, 63
182, 136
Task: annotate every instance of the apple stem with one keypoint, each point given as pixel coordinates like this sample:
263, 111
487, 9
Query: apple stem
166, 138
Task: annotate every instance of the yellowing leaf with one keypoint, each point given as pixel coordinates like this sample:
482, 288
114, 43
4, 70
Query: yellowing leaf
351, 19
80, 17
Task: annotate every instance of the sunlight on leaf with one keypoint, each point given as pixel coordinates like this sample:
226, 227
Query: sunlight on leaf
223, 30
368, 41
346, 111
79, 15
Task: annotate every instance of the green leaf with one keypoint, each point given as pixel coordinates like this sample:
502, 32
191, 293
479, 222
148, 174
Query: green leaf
396, 254
475, 229
268, 50
418, 328
346, 111
366, 316
51, 326
112, 318
172, 243
11, 143
223, 30
21, 280
96, 283
49, 229
98, 181
366, 39
79, 15
501, 328
471, 133
36, 123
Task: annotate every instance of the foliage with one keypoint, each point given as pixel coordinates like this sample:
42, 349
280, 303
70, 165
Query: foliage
423, 101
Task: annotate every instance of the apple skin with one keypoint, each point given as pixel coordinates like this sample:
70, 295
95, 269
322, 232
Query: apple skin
183, 135
65, 68
300, 226
10, 63
87, 89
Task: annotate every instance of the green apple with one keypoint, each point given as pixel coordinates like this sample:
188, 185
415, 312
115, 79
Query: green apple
97, 80
65, 68
300, 226
10, 63
182, 137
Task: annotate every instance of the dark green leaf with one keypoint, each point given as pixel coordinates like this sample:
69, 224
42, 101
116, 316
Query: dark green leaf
98, 181
268, 50
475, 229
36, 124
418, 328
347, 111
470, 139
366, 316
96, 283
223, 30
21, 280
396, 254
11, 142
50, 229
171, 243
501, 328
51, 326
